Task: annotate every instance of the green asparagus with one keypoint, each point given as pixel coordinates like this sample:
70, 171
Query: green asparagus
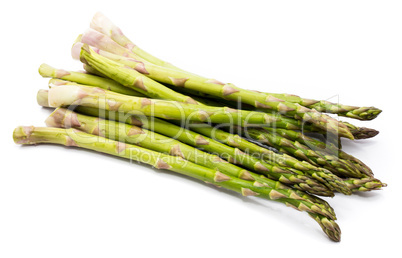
212, 87
131, 77
99, 98
231, 154
364, 184
299, 150
322, 147
103, 25
331, 181
71, 137
150, 140
86, 79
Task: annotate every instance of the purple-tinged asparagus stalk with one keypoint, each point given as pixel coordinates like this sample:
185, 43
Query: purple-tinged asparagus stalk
228, 91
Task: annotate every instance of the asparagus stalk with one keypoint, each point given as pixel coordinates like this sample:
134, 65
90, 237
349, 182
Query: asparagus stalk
42, 98
190, 138
98, 98
92, 97
154, 73
293, 124
58, 82
357, 132
216, 88
270, 154
324, 176
321, 147
67, 95
95, 97
89, 69
235, 141
179, 133
87, 79
71, 137
231, 139
150, 140
131, 77
360, 113
102, 41
103, 25
329, 162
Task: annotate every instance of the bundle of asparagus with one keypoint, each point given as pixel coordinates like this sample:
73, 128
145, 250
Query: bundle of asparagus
131, 104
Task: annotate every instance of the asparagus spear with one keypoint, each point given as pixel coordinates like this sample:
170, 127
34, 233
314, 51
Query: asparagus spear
95, 97
58, 82
103, 25
92, 97
42, 99
67, 95
322, 175
183, 135
71, 137
102, 41
361, 113
357, 132
179, 133
98, 98
150, 140
153, 72
329, 162
270, 154
82, 78
89, 69
216, 88
235, 141
321, 147
131, 77
361, 132
293, 124
364, 184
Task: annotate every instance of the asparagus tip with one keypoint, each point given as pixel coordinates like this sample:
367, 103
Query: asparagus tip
365, 133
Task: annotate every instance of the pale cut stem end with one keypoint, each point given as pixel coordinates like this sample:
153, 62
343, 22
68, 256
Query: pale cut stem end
102, 24
21, 134
76, 50
64, 95
101, 41
42, 98
46, 70
91, 37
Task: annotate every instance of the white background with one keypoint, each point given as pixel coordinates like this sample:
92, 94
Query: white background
62, 202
